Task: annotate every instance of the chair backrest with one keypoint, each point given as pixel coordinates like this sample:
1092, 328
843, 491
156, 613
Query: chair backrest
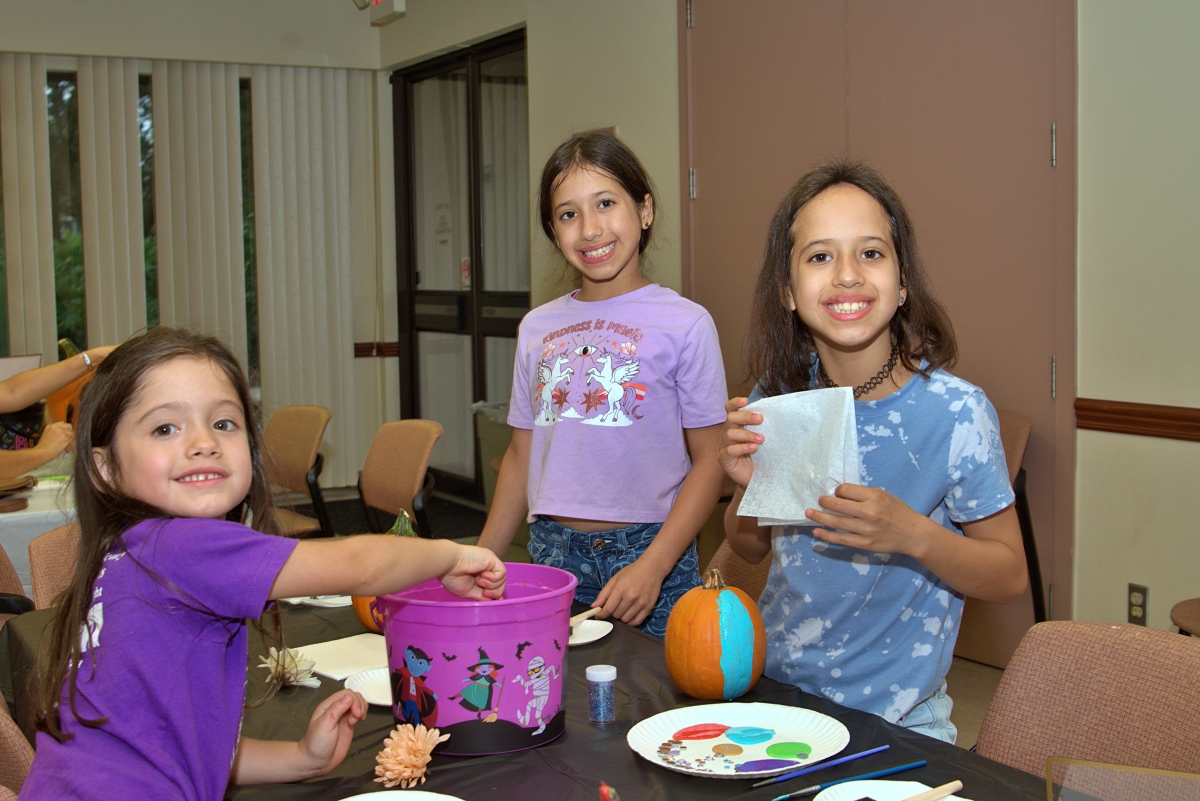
16, 754
52, 560
737, 572
1108, 693
290, 443
1014, 436
9, 582
395, 466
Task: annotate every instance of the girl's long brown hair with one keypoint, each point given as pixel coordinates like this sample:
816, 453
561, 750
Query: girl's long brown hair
780, 350
106, 513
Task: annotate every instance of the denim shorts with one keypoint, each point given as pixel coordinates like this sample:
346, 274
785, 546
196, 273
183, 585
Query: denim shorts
595, 557
931, 717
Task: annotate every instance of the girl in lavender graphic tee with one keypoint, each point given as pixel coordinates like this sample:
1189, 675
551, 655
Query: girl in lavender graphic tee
617, 402
146, 673
863, 605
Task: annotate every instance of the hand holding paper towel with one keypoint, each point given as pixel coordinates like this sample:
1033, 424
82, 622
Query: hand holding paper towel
810, 446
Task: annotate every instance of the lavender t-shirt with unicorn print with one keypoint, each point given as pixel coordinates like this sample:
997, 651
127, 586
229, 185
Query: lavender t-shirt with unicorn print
876, 631
607, 388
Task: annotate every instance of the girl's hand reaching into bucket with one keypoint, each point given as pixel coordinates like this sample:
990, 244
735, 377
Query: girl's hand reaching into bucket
737, 443
478, 574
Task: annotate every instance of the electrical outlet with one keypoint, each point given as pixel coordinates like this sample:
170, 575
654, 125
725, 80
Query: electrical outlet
1138, 598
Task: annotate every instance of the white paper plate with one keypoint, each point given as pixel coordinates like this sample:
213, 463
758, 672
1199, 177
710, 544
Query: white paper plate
589, 631
374, 686
403, 795
764, 738
879, 789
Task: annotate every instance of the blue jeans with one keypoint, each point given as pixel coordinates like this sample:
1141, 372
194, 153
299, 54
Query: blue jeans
595, 557
931, 717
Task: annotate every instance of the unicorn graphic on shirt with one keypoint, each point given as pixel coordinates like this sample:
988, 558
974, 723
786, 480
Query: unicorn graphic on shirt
550, 379
615, 384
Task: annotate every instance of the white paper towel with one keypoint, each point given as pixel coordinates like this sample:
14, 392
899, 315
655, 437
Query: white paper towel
810, 446
338, 659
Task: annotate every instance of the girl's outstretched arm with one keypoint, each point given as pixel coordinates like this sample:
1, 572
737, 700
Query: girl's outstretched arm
988, 563
323, 748
632, 593
510, 502
747, 539
377, 564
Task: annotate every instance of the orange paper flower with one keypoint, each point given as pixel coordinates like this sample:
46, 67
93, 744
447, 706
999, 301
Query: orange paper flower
405, 755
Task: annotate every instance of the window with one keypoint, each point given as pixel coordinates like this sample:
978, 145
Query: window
66, 213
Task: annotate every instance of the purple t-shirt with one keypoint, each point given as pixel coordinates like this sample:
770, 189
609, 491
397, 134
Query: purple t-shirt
169, 665
608, 387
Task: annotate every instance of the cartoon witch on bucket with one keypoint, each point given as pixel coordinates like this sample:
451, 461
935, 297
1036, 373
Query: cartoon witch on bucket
482, 684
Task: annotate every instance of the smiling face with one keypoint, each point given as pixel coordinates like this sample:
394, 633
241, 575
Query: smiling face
598, 227
181, 445
845, 276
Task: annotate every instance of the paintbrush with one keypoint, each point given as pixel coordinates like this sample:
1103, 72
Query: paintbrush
816, 788
820, 766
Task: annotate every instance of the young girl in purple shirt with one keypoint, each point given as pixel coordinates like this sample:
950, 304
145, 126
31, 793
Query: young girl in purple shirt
145, 677
617, 402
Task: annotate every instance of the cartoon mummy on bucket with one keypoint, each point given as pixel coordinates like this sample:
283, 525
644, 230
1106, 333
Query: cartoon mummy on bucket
539, 682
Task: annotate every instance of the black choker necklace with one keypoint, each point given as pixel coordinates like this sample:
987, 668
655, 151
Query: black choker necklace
863, 389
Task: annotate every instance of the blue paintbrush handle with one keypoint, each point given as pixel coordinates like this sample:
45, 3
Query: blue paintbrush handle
822, 765
920, 763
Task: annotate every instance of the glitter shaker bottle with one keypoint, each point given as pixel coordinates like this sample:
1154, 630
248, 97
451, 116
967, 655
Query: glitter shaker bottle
602, 706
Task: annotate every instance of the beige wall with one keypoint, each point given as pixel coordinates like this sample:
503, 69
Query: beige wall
1139, 332
593, 63
307, 33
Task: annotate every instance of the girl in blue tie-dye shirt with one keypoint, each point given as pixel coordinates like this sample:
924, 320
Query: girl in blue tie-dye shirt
863, 605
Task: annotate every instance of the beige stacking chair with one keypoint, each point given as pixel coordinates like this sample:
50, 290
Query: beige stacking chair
290, 443
1121, 694
394, 475
52, 560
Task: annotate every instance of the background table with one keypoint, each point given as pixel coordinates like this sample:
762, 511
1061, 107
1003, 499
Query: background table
51, 504
572, 766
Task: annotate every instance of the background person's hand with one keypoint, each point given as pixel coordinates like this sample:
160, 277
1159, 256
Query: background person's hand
56, 438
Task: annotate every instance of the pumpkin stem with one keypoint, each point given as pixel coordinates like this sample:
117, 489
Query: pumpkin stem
713, 580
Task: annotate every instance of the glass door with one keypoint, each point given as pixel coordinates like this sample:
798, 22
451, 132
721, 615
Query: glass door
462, 187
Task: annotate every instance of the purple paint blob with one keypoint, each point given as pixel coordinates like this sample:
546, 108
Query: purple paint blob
755, 765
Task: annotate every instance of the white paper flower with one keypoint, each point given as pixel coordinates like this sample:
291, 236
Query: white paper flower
291, 666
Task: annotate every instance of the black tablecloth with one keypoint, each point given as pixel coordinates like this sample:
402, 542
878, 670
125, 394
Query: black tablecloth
572, 766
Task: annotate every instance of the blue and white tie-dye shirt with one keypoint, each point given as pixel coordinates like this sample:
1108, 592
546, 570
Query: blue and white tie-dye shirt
876, 631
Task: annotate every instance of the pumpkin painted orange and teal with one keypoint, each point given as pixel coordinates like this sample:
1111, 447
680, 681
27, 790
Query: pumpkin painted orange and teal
716, 644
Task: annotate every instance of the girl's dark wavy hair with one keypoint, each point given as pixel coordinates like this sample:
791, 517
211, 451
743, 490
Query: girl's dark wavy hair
106, 513
601, 150
780, 350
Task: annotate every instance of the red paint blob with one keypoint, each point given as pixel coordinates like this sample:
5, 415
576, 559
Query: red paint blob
701, 731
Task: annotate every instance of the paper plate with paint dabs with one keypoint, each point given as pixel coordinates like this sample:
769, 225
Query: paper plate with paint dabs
738, 741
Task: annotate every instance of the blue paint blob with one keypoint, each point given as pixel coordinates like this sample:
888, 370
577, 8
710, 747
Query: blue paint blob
737, 645
755, 765
749, 735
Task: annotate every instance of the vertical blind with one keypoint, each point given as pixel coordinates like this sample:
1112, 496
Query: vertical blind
305, 174
111, 188
28, 231
198, 199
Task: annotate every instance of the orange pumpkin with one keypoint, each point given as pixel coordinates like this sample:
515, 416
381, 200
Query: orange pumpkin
716, 644
362, 608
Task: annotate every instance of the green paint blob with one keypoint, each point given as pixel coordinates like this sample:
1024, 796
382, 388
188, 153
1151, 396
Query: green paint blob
789, 750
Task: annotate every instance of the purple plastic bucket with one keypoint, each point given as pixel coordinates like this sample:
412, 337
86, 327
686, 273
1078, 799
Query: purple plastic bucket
488, 673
